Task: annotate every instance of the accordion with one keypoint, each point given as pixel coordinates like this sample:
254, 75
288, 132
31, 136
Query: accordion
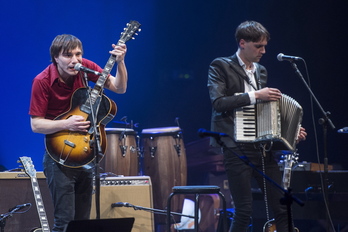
276, 122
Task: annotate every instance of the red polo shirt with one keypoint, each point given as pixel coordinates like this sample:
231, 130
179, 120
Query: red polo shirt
50, 97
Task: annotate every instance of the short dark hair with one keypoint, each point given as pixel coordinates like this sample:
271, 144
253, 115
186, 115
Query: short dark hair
65, 43
251, 31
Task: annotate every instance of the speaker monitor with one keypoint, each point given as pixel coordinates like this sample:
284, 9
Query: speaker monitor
135, 190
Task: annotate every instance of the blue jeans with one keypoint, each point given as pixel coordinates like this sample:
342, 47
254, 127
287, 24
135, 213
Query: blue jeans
71, 192
239, 177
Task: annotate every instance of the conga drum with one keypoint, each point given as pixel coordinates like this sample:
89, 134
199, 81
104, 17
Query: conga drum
121, 156
164, 160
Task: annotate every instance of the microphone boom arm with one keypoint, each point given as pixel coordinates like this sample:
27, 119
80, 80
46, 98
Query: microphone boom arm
159, 211
326, 117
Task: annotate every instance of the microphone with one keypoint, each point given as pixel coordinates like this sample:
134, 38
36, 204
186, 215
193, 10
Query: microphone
120, 204
343, 130
204, 133
282, 57
79, 67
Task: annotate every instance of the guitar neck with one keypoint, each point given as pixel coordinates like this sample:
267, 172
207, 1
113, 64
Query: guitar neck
99, 85
111, 62
288, 162
39, 205
286, 178
132, 27
107, 69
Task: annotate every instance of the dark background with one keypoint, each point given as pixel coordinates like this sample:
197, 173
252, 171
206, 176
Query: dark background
178, 39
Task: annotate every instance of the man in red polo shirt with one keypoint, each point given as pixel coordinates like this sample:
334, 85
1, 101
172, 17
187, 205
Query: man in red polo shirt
71, 188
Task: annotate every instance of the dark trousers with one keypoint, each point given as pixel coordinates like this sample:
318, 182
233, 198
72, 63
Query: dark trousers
71, 191
239, 177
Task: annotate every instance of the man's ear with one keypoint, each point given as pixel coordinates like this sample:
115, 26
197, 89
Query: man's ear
242, 43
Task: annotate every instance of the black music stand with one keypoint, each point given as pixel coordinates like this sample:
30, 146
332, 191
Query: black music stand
101, 225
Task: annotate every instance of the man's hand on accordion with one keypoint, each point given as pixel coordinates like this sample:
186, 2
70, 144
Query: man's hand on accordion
268, 94
301, 135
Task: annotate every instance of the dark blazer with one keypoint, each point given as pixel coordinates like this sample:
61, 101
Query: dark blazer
225, 79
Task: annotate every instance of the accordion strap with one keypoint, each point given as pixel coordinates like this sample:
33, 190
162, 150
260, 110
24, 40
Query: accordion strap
266, 147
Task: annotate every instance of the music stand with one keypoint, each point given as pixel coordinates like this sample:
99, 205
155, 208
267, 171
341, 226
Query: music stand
101, 225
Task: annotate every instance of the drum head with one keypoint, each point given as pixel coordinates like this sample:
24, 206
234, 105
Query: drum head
119, 131
161, 131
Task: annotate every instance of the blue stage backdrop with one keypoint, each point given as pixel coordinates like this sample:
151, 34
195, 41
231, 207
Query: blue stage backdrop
169, 59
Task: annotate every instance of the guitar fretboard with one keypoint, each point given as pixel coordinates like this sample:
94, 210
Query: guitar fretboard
286, 177
40, 206
99, 85
132, 28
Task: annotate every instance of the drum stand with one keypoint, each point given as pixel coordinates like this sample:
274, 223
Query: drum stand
288, 197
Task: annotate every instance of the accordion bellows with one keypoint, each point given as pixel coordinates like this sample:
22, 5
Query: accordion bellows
274, 122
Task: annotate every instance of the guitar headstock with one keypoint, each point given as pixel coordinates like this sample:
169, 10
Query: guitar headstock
28, 166
289, 159
132, 28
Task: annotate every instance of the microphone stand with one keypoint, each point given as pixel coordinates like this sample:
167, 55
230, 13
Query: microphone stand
288, 197
96, 146
5, 216
324, 121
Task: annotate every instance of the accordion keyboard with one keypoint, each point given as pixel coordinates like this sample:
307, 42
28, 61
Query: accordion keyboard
245, 124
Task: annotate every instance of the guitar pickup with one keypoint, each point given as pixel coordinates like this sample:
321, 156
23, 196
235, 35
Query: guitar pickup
70, 144
86, 109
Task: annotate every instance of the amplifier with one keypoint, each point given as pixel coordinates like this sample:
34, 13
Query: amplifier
306, 166
135, 190
16, 189
20, 175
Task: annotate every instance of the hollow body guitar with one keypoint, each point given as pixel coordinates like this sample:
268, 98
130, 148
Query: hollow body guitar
289, 160
76, 149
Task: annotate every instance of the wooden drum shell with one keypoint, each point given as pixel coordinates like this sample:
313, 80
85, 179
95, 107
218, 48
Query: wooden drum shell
121, 156
164, 161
